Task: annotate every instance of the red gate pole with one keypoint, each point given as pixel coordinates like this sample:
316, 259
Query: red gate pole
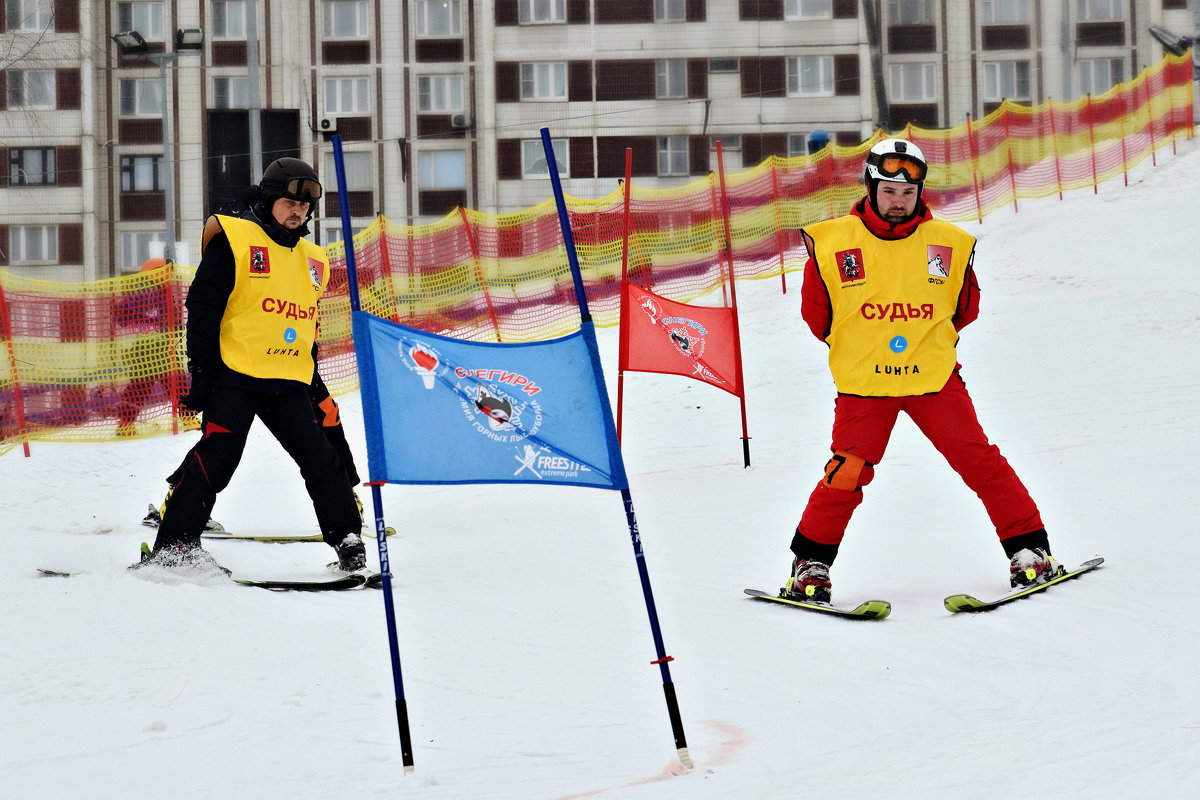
737, 335
623, 335
487, 296
974, 169
1092, 144
385, 262
18, 395
1054, 142
173, 323
778, 225
1008, 142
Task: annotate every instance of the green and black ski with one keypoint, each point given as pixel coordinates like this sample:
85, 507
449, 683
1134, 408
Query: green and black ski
965, 603
871, 609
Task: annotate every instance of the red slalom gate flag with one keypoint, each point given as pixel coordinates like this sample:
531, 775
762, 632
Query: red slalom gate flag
660, 335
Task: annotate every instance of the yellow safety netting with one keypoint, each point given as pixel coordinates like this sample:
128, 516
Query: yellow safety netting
93, 361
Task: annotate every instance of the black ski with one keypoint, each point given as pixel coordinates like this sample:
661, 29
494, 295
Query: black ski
342, 582
371, 578
277, 539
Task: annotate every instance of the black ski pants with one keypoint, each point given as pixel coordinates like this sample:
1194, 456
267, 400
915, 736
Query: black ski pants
289, 416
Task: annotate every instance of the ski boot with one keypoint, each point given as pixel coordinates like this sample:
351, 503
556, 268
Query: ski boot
809, 581
183, 556
351, 553
1032, 566
154, 517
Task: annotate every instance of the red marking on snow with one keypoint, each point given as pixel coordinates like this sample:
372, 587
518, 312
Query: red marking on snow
735, 740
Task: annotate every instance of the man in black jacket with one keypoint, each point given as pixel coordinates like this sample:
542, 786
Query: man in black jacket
251, 340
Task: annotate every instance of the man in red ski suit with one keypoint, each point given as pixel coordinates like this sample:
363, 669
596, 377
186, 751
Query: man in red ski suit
888, 287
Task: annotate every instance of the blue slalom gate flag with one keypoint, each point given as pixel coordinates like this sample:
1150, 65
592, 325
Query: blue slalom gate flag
442, 410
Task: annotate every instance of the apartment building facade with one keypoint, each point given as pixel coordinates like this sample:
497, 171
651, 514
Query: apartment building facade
439, 103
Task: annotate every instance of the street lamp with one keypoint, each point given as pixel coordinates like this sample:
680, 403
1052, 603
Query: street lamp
133, 47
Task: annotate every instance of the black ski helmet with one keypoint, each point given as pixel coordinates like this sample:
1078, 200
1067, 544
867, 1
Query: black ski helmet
290, 178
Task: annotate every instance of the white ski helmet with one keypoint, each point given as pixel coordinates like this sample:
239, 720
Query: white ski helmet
897, 161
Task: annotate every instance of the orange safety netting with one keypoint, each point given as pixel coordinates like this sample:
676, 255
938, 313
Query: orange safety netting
93, 361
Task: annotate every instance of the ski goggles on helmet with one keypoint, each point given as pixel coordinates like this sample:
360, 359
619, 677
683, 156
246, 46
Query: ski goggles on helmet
894, 165
302, 189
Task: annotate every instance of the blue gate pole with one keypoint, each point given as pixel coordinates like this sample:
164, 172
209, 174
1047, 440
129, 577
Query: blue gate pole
406, 748
663, 659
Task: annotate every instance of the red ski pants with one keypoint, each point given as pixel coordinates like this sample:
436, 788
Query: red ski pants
861, 429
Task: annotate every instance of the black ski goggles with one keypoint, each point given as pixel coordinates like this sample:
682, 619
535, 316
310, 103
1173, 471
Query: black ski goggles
302, 189
891, 165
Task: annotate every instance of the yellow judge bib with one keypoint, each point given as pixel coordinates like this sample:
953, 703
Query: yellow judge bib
893, 304
270, 321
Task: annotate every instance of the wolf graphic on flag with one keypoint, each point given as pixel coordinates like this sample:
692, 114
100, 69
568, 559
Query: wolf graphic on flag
497, 414
679, 339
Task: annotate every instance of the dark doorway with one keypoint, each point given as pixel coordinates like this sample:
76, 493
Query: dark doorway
229, 151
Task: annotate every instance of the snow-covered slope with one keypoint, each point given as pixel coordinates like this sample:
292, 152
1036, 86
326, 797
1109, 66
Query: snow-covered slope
522, 630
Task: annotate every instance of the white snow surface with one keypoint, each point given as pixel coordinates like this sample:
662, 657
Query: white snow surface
523, 634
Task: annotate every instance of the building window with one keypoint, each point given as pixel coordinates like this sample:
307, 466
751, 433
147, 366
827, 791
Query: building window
911, 12
722, 65
442, 169
31, 89
141, 173
543, 10
29, 15
797, 144
670, 11
229, 19
1098, 75
331, 232
913, 83
1098, 10
439, 17
1004, 12
533, 158
345, 19
1006, 80
729, 141
347, 96
145, 18
440, 94
810, 76
34, 244
360, 171
672, 155
31, 166
231, 92
544, 81
137, 246
141, 97
670, 77
808, 9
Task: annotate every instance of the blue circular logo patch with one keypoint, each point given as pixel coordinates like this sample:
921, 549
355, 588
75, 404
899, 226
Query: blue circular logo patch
898, 344
289, 335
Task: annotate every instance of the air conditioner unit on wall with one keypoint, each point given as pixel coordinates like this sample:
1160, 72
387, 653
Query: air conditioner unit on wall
460, 121
327, 125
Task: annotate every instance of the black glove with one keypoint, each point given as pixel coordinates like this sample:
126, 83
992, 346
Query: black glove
197, 397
